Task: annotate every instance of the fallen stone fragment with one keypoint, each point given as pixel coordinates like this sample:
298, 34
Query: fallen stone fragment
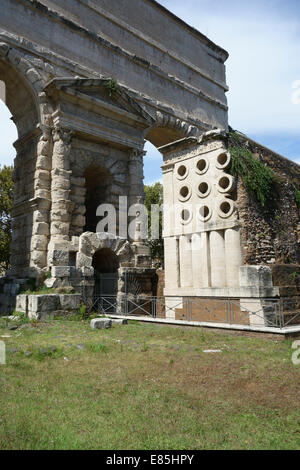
81, 347
121, 321
12, 327
212, 351
101, 324
28, 353
13, 350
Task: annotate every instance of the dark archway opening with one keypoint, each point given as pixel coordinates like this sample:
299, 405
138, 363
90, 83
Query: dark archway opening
106, 265
98, 182
105, 261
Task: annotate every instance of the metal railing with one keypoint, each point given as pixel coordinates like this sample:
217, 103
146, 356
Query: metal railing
273, 313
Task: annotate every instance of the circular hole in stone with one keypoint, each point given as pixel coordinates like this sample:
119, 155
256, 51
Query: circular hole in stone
225, 207
203, 188
204, 213
201, 165
182, 171
224, 183
184, 192
223, 160
185, 215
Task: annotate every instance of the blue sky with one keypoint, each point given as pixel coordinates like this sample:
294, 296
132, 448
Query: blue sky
263, 40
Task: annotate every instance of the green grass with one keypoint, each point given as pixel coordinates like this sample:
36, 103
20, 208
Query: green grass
146, 387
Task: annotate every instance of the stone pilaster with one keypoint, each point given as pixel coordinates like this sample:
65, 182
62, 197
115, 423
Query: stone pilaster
60, 187
40, 205
136, 197
136, 177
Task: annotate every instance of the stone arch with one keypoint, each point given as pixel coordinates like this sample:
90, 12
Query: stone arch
105, 261
32, 115
25, 97
90, 243
168, 129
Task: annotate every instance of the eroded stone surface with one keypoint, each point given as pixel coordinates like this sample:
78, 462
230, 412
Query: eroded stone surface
101, 324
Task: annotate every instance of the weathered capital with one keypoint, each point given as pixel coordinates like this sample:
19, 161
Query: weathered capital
4, 48
63, 134
137, 156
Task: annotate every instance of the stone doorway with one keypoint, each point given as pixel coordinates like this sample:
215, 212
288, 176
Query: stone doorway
98, 182
106, 265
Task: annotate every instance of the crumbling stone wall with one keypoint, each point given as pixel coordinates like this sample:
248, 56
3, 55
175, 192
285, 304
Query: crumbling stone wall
270, 235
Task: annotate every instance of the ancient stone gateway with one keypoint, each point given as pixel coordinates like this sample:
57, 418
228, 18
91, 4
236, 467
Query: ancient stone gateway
87, 82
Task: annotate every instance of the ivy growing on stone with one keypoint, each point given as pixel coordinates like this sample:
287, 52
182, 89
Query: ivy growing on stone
257, 178
112, 86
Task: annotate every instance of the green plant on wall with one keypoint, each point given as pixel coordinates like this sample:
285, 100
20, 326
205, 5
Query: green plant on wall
297, 195
112, 86
257, 178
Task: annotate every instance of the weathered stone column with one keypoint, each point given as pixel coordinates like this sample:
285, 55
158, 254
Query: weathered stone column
136, 196
136, 177
42, 201
201, 263
233, 256
217, 258
172, 267
186, 262
60, 188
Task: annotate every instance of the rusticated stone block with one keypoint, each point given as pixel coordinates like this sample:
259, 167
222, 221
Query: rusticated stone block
43, 303
101, 324
22, 303
59, 258
61, 271
69, 301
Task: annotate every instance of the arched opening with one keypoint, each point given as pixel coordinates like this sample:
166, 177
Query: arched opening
19, 99
19, 116
105, 261
98, 181
8, 131
153, 161
160, 136
106, 265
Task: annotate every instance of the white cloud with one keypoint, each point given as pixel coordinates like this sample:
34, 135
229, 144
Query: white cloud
262, 38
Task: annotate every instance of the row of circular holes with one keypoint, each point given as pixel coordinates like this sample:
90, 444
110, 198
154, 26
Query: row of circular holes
202, 166
204, 213
226, 208
204, 188
225, 183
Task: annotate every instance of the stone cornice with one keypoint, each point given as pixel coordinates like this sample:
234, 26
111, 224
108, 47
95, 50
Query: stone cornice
38, 203
34, 4
75, 89
66, 64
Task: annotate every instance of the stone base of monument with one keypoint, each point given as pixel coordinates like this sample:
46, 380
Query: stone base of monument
253, 303
43, 307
